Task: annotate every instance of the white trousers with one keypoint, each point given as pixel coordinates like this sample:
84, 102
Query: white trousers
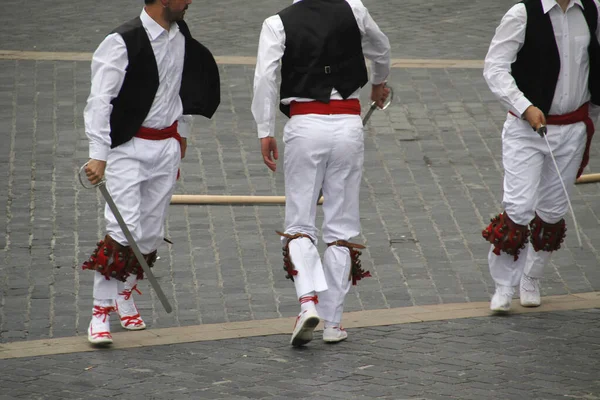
323, 152
531, 185
140, 176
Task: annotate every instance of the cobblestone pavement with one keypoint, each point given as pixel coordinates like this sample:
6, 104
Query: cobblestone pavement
432, 177
534, 356
434, 29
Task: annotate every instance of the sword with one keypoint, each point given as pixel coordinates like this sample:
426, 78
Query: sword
542, 131
136, 250
374, 106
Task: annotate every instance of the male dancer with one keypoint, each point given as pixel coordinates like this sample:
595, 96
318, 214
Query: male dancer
544, 66
321, 45
148, 76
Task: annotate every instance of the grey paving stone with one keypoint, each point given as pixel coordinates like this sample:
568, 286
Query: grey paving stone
432, 179
391, 362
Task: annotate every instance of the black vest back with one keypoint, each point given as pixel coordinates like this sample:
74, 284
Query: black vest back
323, 51
200, 83
538, 64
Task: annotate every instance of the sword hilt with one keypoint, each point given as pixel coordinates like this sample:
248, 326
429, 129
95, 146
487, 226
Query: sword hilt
85, 181
373, 105
542, 130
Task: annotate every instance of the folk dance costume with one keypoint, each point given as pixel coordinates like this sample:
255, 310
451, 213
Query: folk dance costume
321, 45
146, 83
549, 58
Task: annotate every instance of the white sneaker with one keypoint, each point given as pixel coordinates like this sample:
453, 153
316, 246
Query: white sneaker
502, 298
334, 334
306, 323
530, 291
128, 312
99, 329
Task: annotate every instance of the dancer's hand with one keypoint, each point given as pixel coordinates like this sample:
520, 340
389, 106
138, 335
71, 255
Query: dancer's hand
268, 148
535, 117
379, 94
94, 170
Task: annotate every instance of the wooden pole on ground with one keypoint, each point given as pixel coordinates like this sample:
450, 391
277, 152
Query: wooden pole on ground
278, 200
589, 178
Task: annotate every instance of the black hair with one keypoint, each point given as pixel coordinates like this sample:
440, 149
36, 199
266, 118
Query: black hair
149, 1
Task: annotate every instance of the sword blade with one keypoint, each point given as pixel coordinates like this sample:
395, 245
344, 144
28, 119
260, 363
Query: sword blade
136, 250
542, 131
368, 115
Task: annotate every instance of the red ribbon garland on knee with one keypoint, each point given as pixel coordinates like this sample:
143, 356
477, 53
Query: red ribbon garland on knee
545, 236
288, 265
356, 271
506, 236
113, 260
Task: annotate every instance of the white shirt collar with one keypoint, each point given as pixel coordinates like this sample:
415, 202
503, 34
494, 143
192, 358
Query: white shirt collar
550, 4
154, 29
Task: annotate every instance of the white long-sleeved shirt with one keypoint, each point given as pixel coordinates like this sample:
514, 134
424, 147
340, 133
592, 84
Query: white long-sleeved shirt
572, 37
271, 46
109, 64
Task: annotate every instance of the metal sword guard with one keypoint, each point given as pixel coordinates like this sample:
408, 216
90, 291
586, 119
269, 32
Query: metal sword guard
542, 130
373, 106
85, 181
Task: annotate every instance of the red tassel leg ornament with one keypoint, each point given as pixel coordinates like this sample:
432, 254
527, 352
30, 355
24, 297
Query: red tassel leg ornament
356, 271
506, 236
288, 265
545, 236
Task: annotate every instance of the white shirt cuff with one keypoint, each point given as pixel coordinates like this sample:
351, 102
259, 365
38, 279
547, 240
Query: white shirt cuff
377, 79
183, 129
265, 130
521, 105
99, 151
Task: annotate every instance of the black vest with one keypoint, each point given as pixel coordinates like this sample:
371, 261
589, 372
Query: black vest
537, 66
200, 83
323, 51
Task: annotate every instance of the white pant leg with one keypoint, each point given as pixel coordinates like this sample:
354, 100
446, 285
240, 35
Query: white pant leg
306, 151
523, 160
105, 289
156, 194
126, 169
536, 262
336, 261
567, 144
307, 262
140, 176
523, 157
504, 270
341, 190
341, 186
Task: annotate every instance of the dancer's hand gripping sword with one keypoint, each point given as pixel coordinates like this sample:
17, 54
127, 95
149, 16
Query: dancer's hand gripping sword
374, 106
136, 250
542, 131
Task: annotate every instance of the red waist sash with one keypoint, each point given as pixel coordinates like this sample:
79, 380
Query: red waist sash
161, 134
350, 106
